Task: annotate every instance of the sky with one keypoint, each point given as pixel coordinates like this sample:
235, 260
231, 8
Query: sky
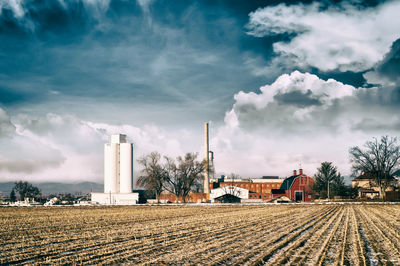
283, 84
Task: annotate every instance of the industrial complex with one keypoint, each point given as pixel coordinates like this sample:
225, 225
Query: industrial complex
118, 181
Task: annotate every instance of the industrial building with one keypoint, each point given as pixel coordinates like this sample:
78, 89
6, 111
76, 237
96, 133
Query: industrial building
118, 174
297, 187
258, 188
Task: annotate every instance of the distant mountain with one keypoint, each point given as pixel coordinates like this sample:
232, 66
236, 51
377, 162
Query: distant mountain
57, 188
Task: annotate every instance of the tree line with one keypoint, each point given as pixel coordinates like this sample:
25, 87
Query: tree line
378, 159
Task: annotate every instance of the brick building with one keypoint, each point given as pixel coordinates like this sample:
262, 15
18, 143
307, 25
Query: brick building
259, 188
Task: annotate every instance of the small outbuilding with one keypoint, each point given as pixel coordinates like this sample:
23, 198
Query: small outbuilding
228, 194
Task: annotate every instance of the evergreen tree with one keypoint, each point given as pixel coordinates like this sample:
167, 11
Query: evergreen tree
338, 186
325, 178
26, 189
13, 198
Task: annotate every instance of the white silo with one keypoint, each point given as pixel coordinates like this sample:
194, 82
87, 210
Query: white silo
118, 174
114, 167
126, 164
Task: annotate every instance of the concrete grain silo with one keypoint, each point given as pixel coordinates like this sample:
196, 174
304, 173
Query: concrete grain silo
125, 168
118, 173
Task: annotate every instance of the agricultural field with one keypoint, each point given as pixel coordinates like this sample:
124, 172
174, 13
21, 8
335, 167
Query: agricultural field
350, 234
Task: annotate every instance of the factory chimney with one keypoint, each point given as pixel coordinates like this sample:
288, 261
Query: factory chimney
206, 186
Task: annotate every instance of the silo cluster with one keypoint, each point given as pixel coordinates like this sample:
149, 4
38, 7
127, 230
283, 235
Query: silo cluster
118, 165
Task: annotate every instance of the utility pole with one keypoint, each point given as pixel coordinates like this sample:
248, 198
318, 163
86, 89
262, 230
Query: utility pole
206, 186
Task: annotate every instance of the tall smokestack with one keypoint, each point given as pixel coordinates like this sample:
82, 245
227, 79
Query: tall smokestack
206, 186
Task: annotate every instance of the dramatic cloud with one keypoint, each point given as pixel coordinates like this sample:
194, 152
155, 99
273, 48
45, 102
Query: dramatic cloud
7, 129
300, 118
14, 5
289, 100
74, 72
343, 38
387, 72
66, 148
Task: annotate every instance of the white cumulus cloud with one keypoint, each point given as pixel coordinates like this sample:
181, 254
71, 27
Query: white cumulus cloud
16, 6
347, 38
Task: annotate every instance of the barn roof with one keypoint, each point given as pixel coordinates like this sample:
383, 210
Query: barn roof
287, 183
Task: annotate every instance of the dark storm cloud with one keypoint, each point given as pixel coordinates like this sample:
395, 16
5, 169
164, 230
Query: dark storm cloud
192, 53
9, 97
28, 166
373, 125
390, 66
298, 98
386, 75
187, 53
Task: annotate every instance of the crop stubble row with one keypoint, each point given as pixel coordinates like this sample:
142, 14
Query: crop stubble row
228, 234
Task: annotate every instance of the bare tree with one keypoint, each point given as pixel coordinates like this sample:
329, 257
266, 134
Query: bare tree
153, 174
183, 174
380, 159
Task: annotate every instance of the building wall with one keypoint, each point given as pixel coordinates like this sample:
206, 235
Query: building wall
258, 188
193, 197
115, 198
370, 184
364, 183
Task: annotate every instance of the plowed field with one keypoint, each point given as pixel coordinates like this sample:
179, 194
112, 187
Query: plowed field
350, 234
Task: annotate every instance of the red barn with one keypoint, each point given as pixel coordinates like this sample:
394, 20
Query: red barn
297, 187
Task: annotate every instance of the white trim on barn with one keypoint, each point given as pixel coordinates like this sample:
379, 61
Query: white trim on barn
241, 193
